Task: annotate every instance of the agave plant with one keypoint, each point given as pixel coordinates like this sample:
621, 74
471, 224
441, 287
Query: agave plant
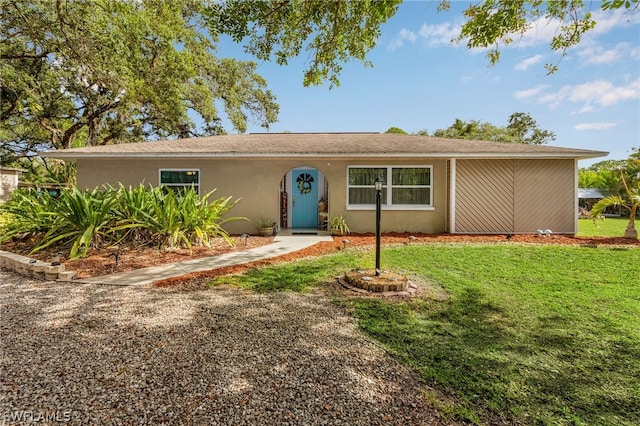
630, 201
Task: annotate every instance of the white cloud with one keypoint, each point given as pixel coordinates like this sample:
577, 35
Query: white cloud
593, 94
595, 54
604, 93
540, 32
403, 35
607, 21
467, 78
526, 63
524, 94
556, 98
440, 34
594, 126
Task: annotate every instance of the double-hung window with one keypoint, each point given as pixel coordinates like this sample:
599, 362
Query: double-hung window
405, 187
180, 179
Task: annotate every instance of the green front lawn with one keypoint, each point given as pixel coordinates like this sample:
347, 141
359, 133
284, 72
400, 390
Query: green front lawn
529, 334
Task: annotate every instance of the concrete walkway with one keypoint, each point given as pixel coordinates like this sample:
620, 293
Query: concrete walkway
138, 277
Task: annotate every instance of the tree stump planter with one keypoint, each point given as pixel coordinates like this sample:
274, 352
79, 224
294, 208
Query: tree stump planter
386, 281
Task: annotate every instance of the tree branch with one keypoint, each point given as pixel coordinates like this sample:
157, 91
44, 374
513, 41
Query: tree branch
24, 56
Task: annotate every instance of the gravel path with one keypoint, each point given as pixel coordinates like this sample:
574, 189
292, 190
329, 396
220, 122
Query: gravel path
91, 354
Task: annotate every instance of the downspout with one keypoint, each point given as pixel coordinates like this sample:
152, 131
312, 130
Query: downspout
575, 197
452, 196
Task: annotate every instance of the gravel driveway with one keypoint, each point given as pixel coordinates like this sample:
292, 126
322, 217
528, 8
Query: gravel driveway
90, 354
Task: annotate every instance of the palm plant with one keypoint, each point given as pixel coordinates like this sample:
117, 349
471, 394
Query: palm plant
630, 200
203, 220
338, 225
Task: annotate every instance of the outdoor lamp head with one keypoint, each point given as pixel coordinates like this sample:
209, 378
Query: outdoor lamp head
378, 183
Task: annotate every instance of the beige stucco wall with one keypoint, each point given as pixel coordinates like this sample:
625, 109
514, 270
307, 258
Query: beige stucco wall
519, 196
491, 196
256, 182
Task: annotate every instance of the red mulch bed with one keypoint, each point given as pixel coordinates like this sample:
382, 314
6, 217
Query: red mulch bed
101, 262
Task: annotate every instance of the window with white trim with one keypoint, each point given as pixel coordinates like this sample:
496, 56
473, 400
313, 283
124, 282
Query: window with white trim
180, 179
406, 187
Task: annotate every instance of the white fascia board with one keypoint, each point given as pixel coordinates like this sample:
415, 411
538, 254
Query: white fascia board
201, 155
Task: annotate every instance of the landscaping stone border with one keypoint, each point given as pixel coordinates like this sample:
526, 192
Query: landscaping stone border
33, 267
387, 284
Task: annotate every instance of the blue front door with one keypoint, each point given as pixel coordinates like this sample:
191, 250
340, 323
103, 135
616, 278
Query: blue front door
305, 199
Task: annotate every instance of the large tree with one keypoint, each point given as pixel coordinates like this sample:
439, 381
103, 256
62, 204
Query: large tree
521, 128
607, 175
96, 72
77, 72
92, 72
331, 32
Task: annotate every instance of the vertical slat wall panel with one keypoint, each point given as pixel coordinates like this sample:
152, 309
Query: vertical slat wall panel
544, 196
484, 196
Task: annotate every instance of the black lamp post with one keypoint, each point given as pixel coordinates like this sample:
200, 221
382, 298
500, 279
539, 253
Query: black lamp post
378, 184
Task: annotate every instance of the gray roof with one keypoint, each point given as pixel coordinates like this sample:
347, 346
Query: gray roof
589, 193
358, 145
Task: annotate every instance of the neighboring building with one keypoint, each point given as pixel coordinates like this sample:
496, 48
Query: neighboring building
9, 178
432, 185
587, 197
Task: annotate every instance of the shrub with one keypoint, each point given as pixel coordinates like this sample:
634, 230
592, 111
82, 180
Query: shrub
84, 219
6, 220
32, 213
184, 218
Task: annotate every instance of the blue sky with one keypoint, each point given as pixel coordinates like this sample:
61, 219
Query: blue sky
421, 81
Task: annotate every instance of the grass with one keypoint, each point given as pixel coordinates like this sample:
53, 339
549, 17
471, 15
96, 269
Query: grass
609, 227
540, 335
300, 276
523, 334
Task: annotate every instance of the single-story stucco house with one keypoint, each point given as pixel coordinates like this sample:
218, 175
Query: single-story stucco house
432, 185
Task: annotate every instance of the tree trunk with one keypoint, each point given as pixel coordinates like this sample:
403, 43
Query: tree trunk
631, 231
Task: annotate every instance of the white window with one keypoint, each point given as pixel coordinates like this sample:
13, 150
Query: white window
180, 179
405, 187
